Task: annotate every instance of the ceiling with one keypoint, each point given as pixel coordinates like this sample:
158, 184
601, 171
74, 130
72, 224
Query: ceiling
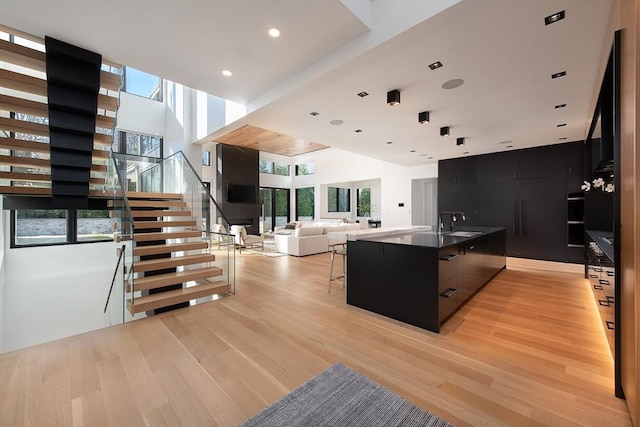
331, 50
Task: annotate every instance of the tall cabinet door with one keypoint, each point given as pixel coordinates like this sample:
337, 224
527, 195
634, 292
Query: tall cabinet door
498, 207
542, 213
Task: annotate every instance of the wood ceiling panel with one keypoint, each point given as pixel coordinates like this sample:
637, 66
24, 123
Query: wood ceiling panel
260, 139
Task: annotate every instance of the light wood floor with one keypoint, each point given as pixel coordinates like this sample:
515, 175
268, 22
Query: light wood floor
526, 351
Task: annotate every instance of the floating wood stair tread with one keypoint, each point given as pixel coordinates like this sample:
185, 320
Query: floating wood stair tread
164, 299
146, 237
158, 213
149, 195
160, 280
39, 147
169, 248
176, 261
157, 203
164, 224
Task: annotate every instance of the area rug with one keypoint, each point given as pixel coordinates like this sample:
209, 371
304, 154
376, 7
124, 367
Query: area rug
340, 396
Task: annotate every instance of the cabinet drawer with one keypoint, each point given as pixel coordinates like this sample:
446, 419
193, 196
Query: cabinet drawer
448, 298
448, 264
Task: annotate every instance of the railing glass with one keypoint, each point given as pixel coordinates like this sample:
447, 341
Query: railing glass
122, 217
175, 174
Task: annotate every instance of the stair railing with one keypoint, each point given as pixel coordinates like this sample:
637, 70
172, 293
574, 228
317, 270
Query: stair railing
179, 176
123, 228
115, 274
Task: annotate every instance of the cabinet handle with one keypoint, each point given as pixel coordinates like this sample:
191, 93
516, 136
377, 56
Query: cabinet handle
611, 273
604, 303
603, 282
598, 269
472, 247
449, 257
449, 293
611, 325
611, 300
598, 287
593, 276
515, 216
522, 230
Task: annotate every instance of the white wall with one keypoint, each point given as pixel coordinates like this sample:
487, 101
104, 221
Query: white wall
337, 166
52, 292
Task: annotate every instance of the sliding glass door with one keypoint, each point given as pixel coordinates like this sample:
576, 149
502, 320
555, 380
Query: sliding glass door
274, 206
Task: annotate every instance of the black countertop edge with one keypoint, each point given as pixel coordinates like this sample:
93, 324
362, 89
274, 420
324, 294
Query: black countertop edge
431, 239
599, 237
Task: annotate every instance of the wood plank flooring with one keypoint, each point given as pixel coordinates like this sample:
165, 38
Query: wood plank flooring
526, 351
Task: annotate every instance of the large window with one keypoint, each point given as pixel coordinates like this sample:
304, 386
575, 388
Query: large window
41, 227
308, 168
363, 199
143, 84
138, 144
274, 168
304, 204
338, 199
274, 205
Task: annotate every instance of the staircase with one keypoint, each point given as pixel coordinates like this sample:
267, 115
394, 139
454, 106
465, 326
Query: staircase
172, 264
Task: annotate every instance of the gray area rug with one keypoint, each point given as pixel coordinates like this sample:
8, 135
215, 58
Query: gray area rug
340, 396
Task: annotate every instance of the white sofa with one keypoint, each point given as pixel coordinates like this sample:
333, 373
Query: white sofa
309, 237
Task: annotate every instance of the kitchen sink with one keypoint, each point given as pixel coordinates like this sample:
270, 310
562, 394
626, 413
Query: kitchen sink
464, 233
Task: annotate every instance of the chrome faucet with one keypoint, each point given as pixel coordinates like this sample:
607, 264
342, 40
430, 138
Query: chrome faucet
454, 218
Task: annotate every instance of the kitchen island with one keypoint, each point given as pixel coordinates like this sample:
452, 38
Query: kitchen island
423, 277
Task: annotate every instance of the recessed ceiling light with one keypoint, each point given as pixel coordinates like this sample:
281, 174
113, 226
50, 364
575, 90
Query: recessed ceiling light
509, 146
466, 152
554, 18
314, 113
274, 32
358, 130
560, 106
563, 138
561, 125
423, 155
412, 151
560, 74
435, 65
389, 142
227, 73
506, 142
336, 122
363, 94
430, 157
452, 84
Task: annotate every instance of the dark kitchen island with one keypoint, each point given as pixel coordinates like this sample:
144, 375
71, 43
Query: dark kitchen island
422, 277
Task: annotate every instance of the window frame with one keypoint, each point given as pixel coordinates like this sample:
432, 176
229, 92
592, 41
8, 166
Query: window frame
297, 169
337, 201
358, 209
159, 97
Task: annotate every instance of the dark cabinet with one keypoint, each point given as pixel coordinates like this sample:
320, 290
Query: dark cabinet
456, 171
524, 191
457, 189
532, 210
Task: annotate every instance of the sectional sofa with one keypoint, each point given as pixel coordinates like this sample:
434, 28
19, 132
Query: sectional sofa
303, 238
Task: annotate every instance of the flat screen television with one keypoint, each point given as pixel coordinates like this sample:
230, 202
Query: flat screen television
240, 193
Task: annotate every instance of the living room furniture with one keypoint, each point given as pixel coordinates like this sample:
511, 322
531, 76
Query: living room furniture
242, 239
338, 249
218, 233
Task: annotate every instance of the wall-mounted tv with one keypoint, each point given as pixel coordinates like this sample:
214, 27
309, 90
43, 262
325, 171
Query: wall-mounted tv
240, 193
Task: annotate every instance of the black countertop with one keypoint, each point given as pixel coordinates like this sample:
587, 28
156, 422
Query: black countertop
603, 239
431, 239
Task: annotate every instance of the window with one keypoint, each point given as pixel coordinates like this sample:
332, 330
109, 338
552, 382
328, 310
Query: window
274, 206
143, 84
338, 199
206, 158
274, 168
41, 227
138, 144
363, 199
304, 204
306, 168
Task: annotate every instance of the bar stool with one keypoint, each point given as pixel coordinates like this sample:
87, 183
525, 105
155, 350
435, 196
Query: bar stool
338, 249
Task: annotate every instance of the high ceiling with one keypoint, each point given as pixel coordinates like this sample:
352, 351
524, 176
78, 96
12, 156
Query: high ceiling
331, 50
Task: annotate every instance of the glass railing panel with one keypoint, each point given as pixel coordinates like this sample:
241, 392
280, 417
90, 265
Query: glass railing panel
122, 219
